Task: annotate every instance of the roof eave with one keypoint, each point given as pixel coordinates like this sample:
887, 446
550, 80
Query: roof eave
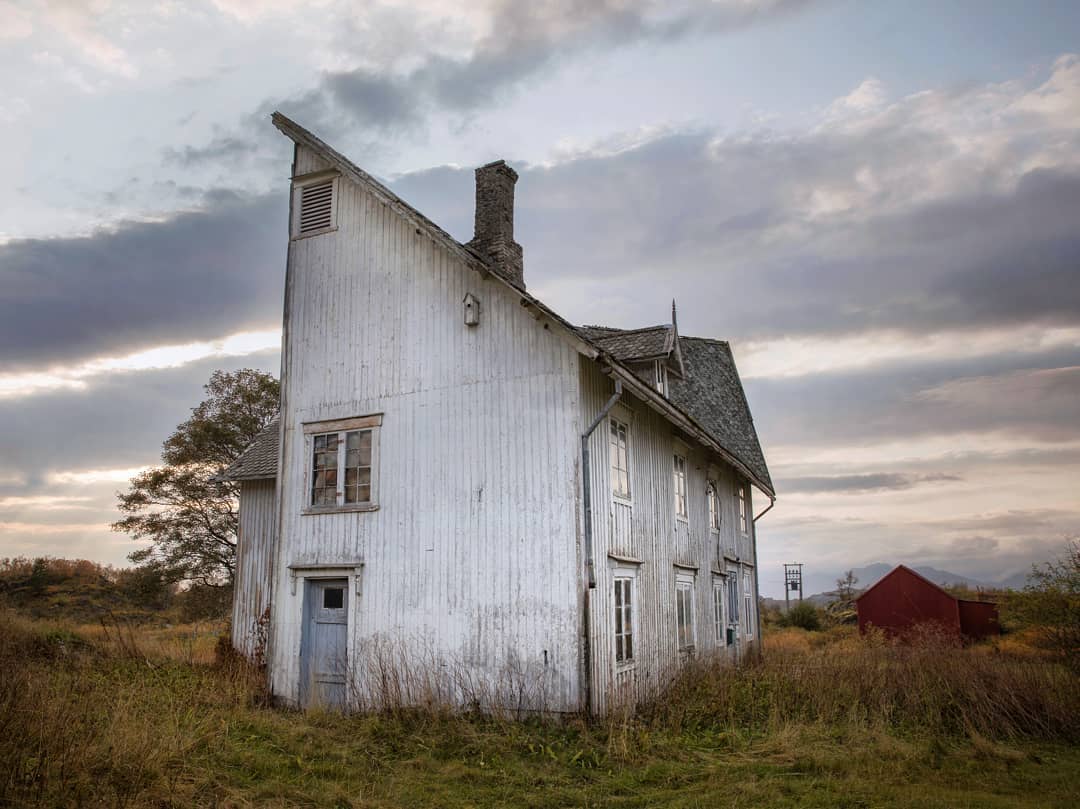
677, 416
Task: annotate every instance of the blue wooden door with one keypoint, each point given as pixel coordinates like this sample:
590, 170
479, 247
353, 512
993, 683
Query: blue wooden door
323, 658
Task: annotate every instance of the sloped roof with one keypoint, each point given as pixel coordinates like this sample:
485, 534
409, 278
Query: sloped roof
259, 460
712, 394
631, 344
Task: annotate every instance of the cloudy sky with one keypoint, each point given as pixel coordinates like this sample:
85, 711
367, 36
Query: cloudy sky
878, 203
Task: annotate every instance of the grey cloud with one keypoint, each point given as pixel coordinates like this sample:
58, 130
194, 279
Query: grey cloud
854, 484
197, 275
118, 422
1006, 392
525, 39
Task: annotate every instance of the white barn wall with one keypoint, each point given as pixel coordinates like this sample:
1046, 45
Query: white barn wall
253, 554
655, 537
472, 555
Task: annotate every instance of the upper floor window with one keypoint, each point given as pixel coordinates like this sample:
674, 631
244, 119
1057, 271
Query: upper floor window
684, 611
680, 486
714, 506
660, 376
624, 620
620, 458
744, 525
343, 464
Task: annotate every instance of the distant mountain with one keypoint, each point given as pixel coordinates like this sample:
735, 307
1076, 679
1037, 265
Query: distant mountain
818, 586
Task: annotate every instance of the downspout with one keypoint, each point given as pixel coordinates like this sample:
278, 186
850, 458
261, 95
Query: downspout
757, 581
590, 567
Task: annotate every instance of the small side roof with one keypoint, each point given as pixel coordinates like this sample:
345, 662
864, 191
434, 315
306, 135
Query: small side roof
260, 460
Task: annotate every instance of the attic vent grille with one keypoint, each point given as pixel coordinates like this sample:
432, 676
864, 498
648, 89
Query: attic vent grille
316, 206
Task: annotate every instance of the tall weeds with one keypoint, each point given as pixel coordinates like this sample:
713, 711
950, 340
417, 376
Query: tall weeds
929, 685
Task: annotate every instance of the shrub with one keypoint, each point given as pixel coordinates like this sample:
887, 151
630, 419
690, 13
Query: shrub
803, 615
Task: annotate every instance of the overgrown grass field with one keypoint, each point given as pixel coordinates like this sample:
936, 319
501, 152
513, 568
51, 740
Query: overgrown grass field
139, 717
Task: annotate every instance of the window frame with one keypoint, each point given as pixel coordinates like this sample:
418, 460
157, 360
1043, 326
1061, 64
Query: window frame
678, 454
660, 377
712, 497
742, 507
340, 427
627, 578
720, 624
296, 202
616, 421
684, 584
748, 604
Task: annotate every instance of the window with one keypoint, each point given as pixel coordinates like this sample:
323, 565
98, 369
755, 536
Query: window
343, 461
333, 598
733, 597
684, 611
741, 494
314, 206
748, 604
718, 611
620, 459
660, 377
680, 486
624, 620
714, 506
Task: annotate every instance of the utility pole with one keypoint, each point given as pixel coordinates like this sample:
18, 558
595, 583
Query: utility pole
792, 583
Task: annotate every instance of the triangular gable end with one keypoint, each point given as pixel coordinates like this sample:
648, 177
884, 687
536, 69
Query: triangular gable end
905, 569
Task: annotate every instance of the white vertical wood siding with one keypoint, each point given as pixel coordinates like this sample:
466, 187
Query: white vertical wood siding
252, 580
648, 531
470, 562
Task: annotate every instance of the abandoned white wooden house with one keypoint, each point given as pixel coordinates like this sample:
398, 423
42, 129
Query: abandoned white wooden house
464, 492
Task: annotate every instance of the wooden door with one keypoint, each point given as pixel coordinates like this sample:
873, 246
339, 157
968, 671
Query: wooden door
323, 657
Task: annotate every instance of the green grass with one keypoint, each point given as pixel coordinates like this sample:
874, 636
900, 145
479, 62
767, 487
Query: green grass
99, 721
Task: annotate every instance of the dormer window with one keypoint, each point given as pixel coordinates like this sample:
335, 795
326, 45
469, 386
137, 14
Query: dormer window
660, 378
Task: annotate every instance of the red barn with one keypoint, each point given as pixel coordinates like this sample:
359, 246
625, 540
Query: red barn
902, 599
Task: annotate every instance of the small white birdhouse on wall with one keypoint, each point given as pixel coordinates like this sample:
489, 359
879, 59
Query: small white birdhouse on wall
472, 309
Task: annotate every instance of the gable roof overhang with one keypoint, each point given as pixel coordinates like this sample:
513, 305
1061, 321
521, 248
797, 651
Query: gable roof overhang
583, 343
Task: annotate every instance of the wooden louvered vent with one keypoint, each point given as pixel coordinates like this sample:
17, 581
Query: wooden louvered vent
316, 207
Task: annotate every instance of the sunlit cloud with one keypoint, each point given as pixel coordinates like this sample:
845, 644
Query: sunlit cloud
77, 377
89, 476
33, 528
45, 502
798, 356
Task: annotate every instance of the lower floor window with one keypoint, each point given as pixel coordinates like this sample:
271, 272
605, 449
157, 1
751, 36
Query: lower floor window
684, 610
748, 605
718, 612
624, 620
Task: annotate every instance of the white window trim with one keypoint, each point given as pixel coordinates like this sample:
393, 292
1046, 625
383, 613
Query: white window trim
686, 581
660, 376
742, 508
621, 417
720, 622
712, 501
311, 429
748, 603
625, 572
298, 184
684, 516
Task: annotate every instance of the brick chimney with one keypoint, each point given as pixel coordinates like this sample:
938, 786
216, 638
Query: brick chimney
494, 228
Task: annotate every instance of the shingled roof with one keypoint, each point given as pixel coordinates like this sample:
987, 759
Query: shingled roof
709, 390
712, 394
259, 460
631, 344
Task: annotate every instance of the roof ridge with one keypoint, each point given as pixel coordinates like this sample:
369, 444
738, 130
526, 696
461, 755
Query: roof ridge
664, 326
